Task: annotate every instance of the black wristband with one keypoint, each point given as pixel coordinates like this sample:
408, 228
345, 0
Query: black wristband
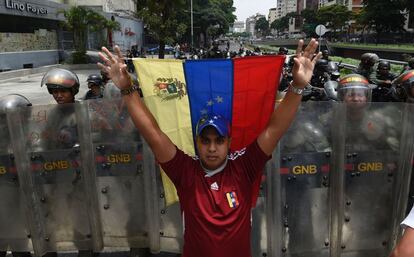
128, 91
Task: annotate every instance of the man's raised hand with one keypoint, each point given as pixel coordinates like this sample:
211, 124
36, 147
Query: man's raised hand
304, 63
114, 65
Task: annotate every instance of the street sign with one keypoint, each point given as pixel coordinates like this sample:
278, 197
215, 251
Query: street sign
320, 30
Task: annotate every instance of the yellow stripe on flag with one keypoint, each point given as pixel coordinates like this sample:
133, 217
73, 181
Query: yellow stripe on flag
165, 94
229, 200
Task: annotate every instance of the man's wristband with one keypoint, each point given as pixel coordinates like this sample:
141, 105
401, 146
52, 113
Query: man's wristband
128, 91
296, 90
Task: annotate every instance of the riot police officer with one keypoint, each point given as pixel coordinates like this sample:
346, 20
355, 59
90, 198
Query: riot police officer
366, 66
95, 85
403, 87
408, 66
382, 93
366, 127
62, 129
282, 51
62, 84
214, 51
325, 55
14, 208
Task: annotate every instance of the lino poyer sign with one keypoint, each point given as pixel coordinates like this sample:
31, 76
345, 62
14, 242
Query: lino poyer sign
25, 7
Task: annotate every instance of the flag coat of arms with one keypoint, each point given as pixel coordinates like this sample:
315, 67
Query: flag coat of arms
178, 93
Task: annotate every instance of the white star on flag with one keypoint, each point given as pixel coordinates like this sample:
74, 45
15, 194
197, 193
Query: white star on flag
204, 111
219, 99
210, 102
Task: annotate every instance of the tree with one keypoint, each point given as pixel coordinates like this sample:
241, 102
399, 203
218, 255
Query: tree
78, 20
384, 15
282, 24
334, 16
310, 21
212, 17
262, 25
162, 20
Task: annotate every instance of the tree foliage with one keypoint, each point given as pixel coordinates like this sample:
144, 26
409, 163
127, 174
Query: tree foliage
212, 17
334, 16
282, 24
162, 19
384, 15
262, 26
310, 21
78, 20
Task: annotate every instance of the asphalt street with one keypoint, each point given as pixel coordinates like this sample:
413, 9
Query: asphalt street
29, 86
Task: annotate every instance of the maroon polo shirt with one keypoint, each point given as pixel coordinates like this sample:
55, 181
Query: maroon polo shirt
217, 209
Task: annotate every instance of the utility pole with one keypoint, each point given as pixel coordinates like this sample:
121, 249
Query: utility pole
192, 25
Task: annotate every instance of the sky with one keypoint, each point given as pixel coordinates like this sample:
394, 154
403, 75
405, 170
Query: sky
246, 8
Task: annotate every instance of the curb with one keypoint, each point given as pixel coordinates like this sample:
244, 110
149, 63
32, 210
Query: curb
25, 72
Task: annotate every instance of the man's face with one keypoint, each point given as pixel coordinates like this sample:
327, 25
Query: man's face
96, 89
356, 98
212, 148
63, 96
383, 70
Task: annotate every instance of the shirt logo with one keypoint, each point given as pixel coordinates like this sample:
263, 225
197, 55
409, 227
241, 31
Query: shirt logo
232, 199
214, 186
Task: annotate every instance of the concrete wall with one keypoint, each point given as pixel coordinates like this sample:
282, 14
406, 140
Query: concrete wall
124, 39
15, 60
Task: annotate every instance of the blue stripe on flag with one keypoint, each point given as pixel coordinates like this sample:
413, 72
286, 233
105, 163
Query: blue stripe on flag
210, 88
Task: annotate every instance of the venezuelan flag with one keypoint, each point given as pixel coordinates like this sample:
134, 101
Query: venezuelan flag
165, 93
243, 90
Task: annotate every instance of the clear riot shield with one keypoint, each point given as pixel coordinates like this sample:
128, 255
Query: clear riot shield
171, 222
14, 229
54, 177
374, 157
300, 197
125, 178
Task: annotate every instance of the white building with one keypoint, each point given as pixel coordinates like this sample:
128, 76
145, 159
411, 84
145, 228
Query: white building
284, 7
271, 17
122, 11
238, 27
251, 23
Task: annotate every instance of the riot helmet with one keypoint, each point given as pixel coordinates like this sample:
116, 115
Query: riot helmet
354, 88
283, 51
383, 67
61, 79
325, 54
369, 59
13, 101
321, 65
405, 82
95, 79
333, 69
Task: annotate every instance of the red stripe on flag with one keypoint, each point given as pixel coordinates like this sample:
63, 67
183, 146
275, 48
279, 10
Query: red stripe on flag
255, 83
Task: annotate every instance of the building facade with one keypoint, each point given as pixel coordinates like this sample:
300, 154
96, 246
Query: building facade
251, 23
29, 33
122, 11
271, 17
238, 27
